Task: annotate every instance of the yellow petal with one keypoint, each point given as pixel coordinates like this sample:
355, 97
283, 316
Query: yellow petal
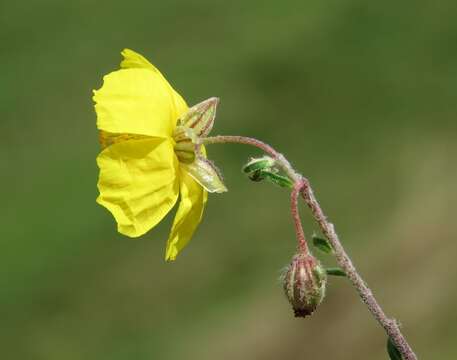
107, 139
138, 183
188, 216
136, 101
180, 105
134, 60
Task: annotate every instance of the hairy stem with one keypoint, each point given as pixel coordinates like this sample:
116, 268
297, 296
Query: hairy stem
390, 325
280, 159
303, 187
302, 244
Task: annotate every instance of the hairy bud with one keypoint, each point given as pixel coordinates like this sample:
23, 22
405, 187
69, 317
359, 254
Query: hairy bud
304, 284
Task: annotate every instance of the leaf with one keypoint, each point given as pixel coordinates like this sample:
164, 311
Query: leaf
322, 244
392, 350
335, 271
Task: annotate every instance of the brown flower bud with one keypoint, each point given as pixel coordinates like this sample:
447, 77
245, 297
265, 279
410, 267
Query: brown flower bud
304, 284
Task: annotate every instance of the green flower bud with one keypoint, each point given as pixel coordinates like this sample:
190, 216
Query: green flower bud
273, 177
256, 164
259, 169
304, 284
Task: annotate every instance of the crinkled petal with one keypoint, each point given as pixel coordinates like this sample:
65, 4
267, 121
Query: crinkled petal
136, 101
138, 183
107, 139
188, 216
134, 60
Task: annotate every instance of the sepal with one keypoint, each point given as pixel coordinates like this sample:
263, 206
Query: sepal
183, 133
206, 174
200, 117
273, 177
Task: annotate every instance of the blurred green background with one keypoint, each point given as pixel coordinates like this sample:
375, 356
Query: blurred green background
361, 96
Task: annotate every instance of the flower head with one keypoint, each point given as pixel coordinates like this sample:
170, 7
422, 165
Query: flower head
151, 153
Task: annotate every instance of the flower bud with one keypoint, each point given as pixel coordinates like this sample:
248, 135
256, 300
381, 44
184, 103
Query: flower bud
256, 164
259, 169
304, 284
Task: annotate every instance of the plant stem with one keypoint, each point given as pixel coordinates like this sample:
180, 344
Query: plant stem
303, 187
302, 244
280, 159
390, 325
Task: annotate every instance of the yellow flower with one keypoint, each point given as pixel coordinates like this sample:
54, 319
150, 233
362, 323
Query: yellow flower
150, 154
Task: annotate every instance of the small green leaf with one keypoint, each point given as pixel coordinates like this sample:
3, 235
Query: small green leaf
322, 244
335, 271
392, 350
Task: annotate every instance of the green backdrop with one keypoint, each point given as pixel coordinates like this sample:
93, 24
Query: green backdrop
360, 96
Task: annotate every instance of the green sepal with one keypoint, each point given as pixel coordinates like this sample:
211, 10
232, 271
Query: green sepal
185, 157
392, 350
320, 272
206, 174
200, 117
335, 271
280, 180
186, 146
185, 151
322, 244
185, 134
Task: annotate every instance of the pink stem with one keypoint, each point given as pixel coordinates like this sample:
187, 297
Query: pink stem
302, 244
303, 187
